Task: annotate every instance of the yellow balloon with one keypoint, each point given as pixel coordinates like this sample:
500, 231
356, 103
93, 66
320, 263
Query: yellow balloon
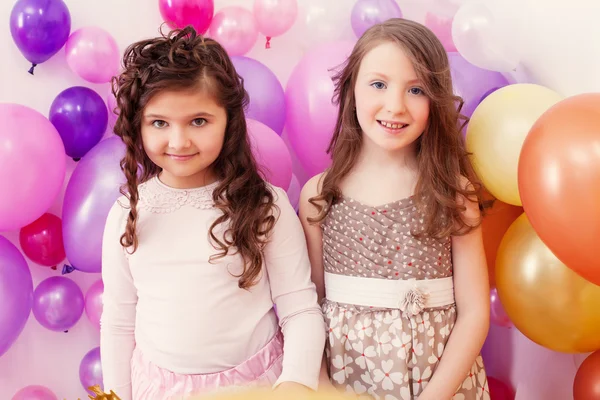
496, 133
545, 300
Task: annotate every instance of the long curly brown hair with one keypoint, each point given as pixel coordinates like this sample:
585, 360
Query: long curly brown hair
179, 60
441, 154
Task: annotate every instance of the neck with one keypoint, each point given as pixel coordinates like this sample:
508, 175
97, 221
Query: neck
200, 179
374, 157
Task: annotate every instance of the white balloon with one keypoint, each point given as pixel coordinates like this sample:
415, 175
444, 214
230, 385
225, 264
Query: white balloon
321, 21
445, 8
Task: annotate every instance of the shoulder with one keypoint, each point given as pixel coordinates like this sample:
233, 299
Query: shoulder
117, 216
312, 188
471, 202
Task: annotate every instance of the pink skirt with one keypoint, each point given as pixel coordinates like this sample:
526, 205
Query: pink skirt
152, 382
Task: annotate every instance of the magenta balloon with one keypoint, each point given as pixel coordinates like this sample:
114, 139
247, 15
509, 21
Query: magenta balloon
58, 303
32, 165
35, 392
91, 192
500, 390
16, 293
271, 153
90, 369
93, 303
311, 114
181, 13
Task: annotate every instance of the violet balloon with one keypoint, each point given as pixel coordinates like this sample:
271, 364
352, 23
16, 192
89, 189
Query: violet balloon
91, 192
32, 165
235, 29
93, 303
90, 369
271, 154
367, 13
35, 392
81, 117
267, 98
93, 54
181, 13
16, 293
57, 303
39, 28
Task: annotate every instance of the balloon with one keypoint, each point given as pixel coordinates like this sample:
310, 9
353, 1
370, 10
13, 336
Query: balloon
90, 369
39, 28
235, 29
32, 165
445, 8
321, 21
93, 303
267, 98
293, 192
500, 390
16, 294
559, 172
270, 153
93, 54
367, 13
587, 380
42, 240
496, 133
498, 315
91, 192
57, 303
275, 17
545, 300
181, 13
35, 392
311, 115
111, 104
442, 27
80, 116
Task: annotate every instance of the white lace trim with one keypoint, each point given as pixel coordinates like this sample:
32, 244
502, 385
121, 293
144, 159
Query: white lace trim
158, 198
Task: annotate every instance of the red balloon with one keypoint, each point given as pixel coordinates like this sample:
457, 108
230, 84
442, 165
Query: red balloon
500, 390
181, 13
42, 240
587, 380
559, 176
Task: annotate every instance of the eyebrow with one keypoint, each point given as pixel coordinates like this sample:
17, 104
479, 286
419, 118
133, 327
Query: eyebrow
192, 116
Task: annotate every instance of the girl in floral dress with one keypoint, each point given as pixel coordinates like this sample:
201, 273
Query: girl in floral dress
393, 227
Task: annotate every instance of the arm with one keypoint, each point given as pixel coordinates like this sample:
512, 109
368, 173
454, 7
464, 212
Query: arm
471, 291
119, 299
294, 294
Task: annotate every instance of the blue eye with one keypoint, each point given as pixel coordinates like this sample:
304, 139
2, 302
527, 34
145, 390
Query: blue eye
416, 91
378, 85
159, 124
198, 122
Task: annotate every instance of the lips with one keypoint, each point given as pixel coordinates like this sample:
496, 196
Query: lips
181, 157
392, 125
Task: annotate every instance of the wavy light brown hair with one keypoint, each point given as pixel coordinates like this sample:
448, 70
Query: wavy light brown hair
184, 60
441, 154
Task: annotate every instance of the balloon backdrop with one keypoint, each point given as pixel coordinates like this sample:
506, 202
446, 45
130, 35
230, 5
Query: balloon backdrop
274, 17
40, 28
235, 29
93, 303
293, 192
81, 117
442, 27
90, 369
587, 380
42, 240
181, 13
323, 21
35, 392
271, 153
500, 390
367, 13
93, 54
91, 192
545, 300
16, 293
496, 133
57, 303
32, 165
559, 176
498, 315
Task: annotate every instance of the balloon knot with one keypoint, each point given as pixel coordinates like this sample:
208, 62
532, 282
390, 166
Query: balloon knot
67, 269
268, 43
76, 159
33, 65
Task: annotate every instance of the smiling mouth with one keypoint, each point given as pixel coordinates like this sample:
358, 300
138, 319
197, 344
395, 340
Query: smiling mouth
181, 157
392, 125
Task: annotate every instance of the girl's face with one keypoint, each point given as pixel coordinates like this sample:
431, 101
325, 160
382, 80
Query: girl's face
183, 133
391, 107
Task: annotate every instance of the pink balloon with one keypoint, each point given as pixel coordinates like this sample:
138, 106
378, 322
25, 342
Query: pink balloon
500, 390
32, 165
442, 27
93, 54
271, 154
181, 13
275, 17
311, 114
235, 29
293, 192
34, 392
93, 303
498, 315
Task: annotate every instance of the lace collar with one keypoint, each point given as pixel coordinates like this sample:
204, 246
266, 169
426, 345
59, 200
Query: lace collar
159, 198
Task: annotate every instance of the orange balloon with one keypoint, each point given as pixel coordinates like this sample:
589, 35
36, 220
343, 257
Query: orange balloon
587, 380
559, 182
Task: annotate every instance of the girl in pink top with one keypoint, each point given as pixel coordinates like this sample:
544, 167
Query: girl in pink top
200, 247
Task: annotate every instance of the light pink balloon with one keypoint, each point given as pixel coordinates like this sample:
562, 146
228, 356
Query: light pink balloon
275, 17
93, 54
442, 27
93, 303
32, 165
498, 315
271, 153
235, 29
34, 392
293, 192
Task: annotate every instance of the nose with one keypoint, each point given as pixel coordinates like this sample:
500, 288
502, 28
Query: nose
395, 101
178, 138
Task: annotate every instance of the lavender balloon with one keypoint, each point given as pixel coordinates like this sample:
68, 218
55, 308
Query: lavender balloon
80, 116
57, 303
91, 192
35, 392
40, 28
16, 293
93, 303
90, 369
367, 13
267, 98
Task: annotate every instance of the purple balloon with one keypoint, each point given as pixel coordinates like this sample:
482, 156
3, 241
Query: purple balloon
91, 192
90, 369
80, 116
367, 13
93, 303
57, 303
40, 28
16, 293
35, 392
267, 98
